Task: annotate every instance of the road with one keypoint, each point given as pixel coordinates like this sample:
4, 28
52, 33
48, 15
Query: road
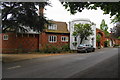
99, 64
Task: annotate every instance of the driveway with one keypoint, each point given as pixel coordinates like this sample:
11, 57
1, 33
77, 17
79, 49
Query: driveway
63, 66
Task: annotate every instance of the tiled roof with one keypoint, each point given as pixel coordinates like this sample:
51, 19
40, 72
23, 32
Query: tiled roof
61, 27
57, 31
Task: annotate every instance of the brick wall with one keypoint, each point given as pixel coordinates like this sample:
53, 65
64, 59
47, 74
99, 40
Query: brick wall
103, 38
28, 42
116, 41
19, 43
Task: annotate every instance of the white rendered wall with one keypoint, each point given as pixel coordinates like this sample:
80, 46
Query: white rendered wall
89, 41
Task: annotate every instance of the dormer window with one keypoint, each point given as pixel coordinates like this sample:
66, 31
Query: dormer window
52, 27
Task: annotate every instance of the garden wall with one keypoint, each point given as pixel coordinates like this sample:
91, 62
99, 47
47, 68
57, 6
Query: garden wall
14, 43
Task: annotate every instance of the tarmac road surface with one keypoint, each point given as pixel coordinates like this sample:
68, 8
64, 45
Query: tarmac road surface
99, 64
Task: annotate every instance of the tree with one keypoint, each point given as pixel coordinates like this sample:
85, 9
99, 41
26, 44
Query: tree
104, 27
111, 8
21, 15
115, 31
83, 31
98, 38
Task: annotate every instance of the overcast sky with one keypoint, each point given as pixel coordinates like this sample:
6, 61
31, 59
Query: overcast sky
58, 13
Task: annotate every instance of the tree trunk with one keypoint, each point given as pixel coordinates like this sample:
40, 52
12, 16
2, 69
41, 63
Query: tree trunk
81, 39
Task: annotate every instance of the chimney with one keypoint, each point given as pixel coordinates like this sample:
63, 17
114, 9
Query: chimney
41, 10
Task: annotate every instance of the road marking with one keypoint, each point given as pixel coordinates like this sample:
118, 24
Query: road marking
14, 67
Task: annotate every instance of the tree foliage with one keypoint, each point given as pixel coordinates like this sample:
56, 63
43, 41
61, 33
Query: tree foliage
111, 8
20, 15
83, 31
98, 37
115, 31
104, 28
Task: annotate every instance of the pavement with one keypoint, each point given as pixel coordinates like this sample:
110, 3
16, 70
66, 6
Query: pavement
20, 57
25, 56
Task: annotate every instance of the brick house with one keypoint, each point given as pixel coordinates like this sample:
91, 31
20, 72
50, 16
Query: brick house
114, 41
54, 34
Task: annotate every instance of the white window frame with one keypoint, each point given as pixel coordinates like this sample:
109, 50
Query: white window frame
66, 40
5, 37
52, 36
52, 27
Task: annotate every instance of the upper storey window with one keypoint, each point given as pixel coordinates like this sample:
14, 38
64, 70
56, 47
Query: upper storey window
52, 27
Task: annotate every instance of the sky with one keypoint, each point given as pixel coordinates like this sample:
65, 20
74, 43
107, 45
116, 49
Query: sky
57, 12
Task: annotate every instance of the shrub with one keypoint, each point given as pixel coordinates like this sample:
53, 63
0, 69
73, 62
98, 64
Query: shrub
56, 49
98, 36
106, 43
74, 43
52, 49
119, 37
115, 45
65, 47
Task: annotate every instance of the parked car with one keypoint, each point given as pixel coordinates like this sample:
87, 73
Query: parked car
85, 48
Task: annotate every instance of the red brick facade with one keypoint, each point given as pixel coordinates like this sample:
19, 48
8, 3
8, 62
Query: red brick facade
59, 32
28, 42
45, 39
104, 38
115, 41
19, 43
